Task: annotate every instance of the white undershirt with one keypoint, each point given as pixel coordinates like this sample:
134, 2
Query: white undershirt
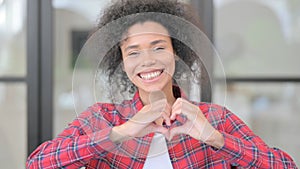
158, 155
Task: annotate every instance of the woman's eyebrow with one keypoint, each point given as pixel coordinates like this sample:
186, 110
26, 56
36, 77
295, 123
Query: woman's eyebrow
157, 42
151, 43
131, 47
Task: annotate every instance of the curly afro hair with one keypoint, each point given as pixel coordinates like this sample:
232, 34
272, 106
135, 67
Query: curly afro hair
131, 12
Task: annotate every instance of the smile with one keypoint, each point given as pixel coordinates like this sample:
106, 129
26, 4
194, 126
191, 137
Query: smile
150, 75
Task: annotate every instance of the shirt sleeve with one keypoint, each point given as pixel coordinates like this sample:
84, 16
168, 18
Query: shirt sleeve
87, 137
243, 148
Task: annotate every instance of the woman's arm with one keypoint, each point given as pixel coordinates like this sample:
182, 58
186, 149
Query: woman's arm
85, 138
243, 148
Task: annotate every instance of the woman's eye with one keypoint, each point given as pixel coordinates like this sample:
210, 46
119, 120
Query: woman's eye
133, 54
158, 48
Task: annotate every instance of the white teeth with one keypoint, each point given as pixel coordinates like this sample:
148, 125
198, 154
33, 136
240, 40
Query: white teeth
151, 75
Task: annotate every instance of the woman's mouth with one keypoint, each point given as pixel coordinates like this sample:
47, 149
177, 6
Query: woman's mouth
150, 75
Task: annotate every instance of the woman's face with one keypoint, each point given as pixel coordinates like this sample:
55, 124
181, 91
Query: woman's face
148, 56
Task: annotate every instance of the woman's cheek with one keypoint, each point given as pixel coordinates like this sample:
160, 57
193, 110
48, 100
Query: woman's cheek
129, 68
171, 66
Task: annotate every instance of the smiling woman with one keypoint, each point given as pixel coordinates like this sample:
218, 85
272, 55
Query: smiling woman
160, 126
149, 59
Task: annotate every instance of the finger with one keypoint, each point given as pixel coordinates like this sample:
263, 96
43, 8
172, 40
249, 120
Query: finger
188, 109
153, 128
168, 109
167, 113
177, 103
176, 108
163, 112
174, 114
159, 106
166, 118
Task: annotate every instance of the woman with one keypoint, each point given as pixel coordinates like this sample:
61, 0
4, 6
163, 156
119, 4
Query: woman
159, 127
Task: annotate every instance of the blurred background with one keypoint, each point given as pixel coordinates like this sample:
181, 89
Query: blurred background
258, 42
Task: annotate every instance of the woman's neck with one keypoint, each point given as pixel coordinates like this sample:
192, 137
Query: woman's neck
144, 95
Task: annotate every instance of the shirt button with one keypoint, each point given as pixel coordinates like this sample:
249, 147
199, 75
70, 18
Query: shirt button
174, 159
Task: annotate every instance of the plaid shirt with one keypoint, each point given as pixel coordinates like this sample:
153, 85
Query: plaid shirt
86, 143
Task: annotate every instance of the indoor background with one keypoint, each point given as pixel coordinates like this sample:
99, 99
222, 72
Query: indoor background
258, 42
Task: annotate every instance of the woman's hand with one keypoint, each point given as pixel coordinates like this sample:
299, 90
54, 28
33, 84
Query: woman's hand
142, 123
197, 126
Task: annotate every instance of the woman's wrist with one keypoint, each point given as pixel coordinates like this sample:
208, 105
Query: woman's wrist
117, 135
216, 140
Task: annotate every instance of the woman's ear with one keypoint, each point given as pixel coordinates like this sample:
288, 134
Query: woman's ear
122, 66
176, 57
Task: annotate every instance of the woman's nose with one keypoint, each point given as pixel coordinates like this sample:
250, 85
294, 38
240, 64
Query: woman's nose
148, 58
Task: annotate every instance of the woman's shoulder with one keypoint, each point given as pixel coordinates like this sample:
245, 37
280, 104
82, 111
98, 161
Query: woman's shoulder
210, 107
104, 107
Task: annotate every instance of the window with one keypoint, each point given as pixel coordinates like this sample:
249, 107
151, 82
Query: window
258, 42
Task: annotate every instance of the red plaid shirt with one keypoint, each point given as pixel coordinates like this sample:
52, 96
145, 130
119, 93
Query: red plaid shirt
86, 143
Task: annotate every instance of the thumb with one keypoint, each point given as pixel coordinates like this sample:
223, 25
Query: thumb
175, 131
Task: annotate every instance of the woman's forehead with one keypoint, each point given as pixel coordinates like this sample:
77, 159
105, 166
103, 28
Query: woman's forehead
144, 28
